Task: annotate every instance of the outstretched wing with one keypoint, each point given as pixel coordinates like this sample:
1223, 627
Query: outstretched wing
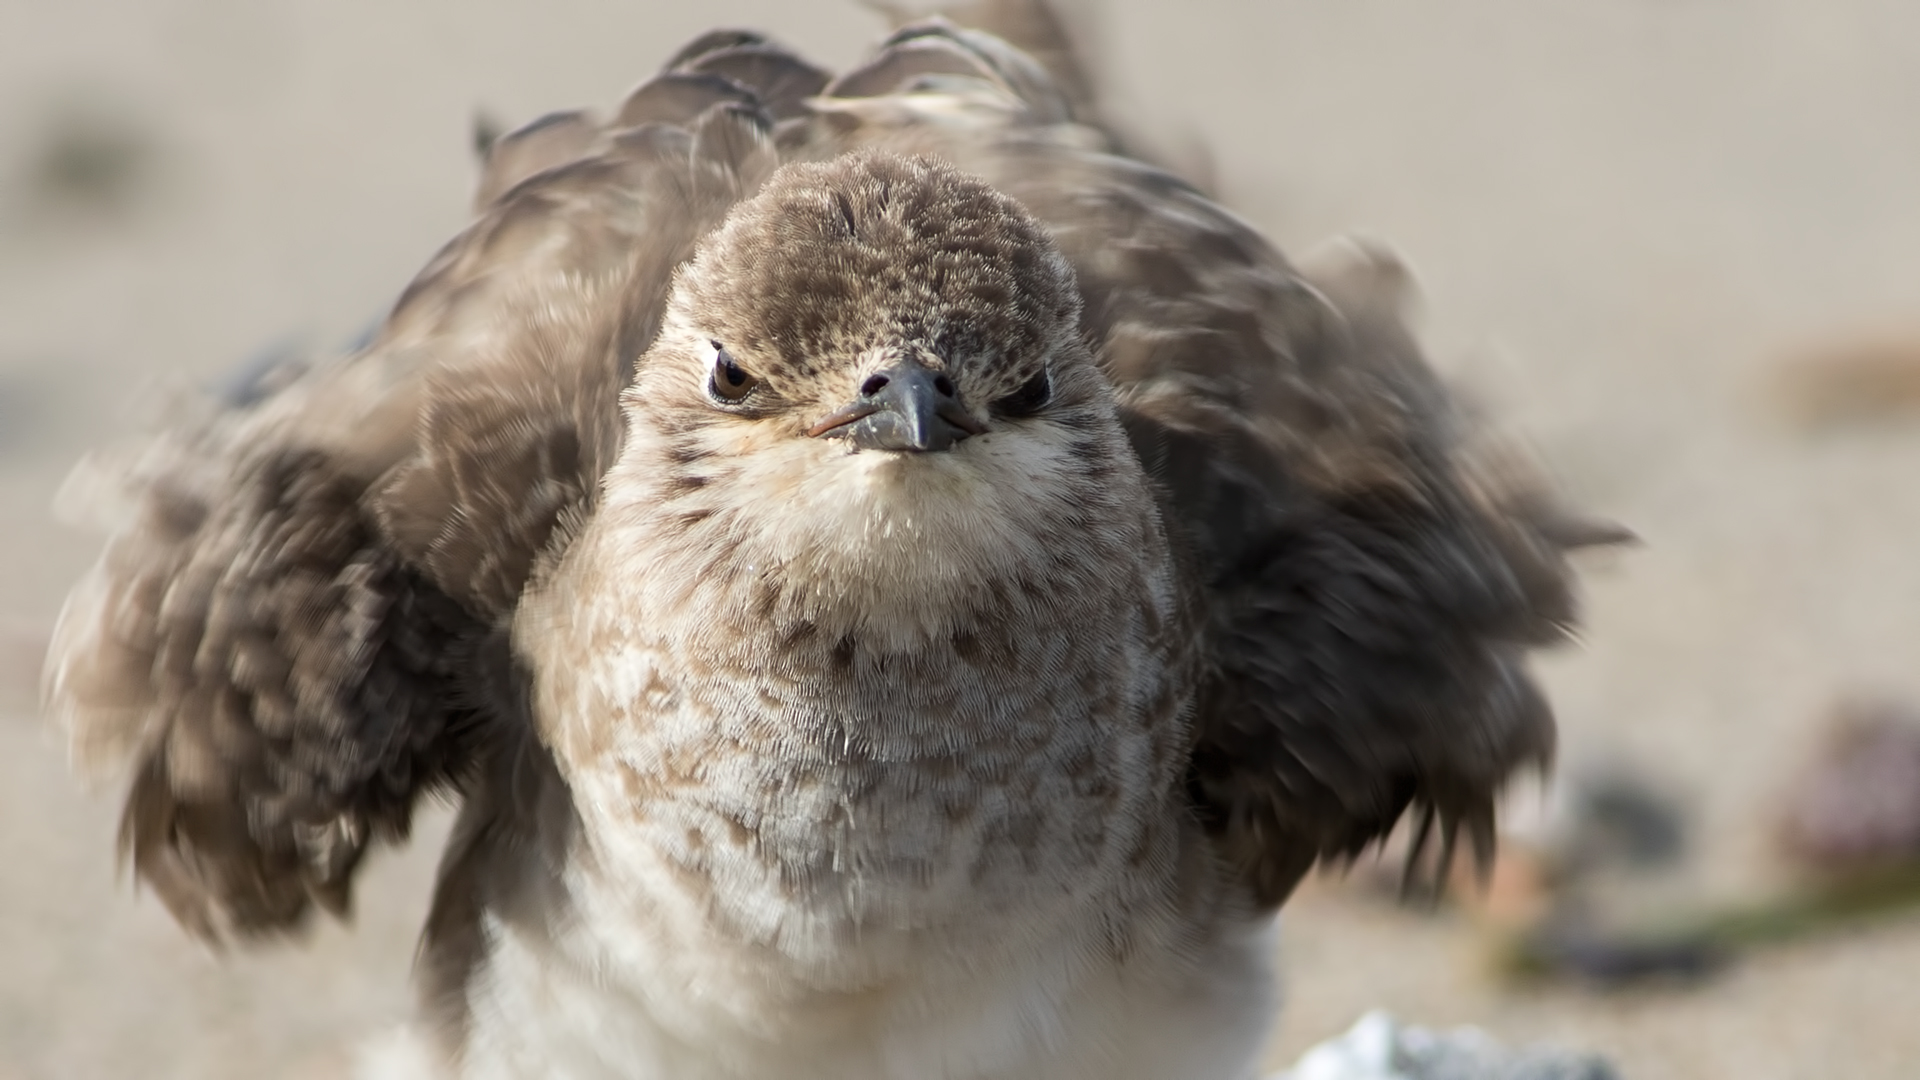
294, 633
1372, 583
281, 683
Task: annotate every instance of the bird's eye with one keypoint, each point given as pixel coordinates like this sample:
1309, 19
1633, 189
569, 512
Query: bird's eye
730, 382
1035, 394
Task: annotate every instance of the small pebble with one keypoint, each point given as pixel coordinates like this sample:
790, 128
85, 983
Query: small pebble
1378, 1047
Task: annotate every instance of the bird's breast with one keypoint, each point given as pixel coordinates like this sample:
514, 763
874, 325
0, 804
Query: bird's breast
842, 822
784, 792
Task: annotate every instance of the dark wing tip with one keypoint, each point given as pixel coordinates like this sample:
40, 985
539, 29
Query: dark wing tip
778, 77
1026, 40
678, 97
547, 142
903, 65
713, 41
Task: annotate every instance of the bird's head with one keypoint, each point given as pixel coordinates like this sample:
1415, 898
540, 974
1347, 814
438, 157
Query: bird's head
873, 370
873, 303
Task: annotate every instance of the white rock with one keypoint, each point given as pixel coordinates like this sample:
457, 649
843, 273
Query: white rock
1378, 1047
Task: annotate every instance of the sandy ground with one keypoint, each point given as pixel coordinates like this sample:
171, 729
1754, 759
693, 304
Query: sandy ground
1626, 213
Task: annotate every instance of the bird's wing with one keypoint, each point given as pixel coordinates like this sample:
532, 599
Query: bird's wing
295, 630
1371, 580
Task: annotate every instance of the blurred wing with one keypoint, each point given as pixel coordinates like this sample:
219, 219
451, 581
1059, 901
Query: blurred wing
280, 683
283, 641
1370, 588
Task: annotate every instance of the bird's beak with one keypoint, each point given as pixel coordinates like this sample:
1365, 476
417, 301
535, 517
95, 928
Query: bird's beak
903, 407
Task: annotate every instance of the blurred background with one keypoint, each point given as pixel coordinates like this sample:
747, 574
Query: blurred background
1673, 245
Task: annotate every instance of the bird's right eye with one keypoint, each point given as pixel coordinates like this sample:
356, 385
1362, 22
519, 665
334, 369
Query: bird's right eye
730, 382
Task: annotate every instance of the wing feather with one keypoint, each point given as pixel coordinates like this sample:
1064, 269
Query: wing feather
281, 644
1372, 583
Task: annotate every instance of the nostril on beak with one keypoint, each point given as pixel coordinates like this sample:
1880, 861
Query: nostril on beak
904, 407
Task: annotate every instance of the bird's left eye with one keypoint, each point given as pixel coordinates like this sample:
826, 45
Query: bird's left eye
1035, 394
730, 382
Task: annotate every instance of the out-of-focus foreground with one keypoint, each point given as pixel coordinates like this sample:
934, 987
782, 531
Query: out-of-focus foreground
1670, 243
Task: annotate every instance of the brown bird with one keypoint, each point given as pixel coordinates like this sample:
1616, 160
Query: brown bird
898, 590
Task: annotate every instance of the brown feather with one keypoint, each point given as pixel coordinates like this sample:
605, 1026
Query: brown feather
548, 142
283, 644
1371, 591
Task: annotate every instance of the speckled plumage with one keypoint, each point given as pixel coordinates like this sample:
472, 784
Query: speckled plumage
787, 756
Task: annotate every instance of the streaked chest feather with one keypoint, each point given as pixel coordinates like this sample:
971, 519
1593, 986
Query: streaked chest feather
880, 796
831, 860
833, 815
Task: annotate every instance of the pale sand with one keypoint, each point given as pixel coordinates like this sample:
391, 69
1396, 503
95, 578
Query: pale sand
1623, 210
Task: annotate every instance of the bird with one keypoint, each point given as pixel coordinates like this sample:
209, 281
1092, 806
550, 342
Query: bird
896, 586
